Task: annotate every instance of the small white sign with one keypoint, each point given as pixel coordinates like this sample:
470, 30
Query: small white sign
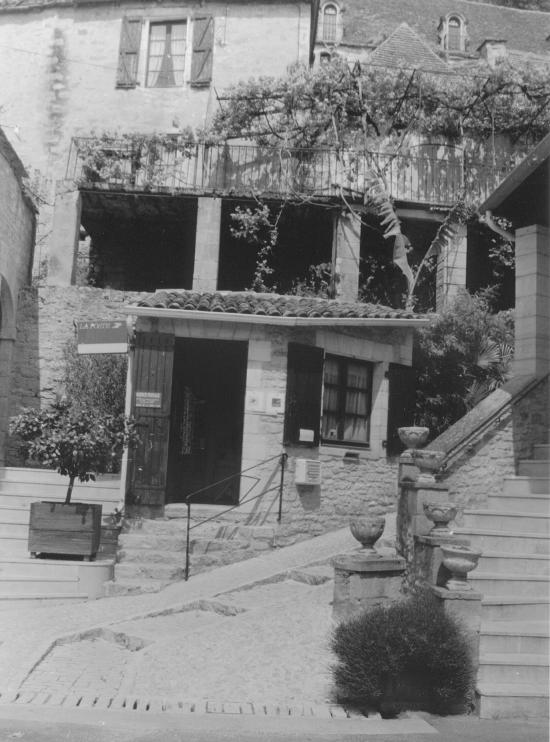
275, 403
148, 399
254, 401
306, 436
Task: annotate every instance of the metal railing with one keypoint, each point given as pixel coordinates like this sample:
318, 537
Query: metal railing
430, 174
244, 474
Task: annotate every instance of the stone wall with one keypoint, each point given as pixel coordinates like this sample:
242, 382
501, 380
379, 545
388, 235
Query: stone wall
482, 468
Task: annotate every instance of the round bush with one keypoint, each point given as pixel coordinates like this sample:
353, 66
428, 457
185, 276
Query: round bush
410, 654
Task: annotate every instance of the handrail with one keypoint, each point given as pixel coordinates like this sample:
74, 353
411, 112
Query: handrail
246, 499
486, 424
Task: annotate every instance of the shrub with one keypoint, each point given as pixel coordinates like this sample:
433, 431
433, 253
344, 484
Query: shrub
385, 652
97, 382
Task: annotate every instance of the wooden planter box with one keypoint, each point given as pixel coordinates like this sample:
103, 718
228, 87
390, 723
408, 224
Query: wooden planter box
56, 528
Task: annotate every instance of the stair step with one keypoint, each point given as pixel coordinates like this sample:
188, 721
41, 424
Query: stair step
14, 530
520, 522
14, 514
512, 541
164, 572
541, 451
513, 668
529, 504
512, 701
504, 608
38, 568
130, 586
520, 585
13, 547
534, 468
524, 637
16, 602
505, 562
148, 542
43, 586
517, 485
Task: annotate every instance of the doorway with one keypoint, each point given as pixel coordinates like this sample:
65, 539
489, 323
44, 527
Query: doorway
206, 420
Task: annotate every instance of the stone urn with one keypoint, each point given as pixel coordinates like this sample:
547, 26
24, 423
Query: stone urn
459, 560
367, 531
413, 436
441, 514
428, 463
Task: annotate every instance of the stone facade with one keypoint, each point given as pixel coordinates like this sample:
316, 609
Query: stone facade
17, 229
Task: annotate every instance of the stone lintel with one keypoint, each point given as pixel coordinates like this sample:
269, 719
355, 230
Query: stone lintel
368, 563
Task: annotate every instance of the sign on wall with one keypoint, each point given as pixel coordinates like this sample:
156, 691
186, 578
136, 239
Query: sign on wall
149, 399
102, 336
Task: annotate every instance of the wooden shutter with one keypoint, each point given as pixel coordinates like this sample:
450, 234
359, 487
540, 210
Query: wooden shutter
401, 399
304, 385
128, 54
203, 49
151, 403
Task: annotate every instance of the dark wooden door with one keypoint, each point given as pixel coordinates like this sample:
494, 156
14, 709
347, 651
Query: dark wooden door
207, 420
151, 401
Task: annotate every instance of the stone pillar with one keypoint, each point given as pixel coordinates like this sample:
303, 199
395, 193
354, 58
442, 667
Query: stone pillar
207, 244
63, 243
363, 581
345, 256
451, 269
532, 323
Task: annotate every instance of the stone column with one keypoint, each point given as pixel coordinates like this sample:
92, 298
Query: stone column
207, 244
63, 243
345, 252
451, 269
532, 328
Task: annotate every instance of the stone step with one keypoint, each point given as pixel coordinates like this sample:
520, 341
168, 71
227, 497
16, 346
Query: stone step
541, 451
519, 585
516, 485
534, 468
131, 586
169, 527
524, 637
149, 542
38, 568
512, 701
505, 562
204, 562
503, 608
513, 668
16, 602
14, 514
529, 504
14, 530
85, 492
11, 547
42, 586
512, 541
497, 520
150, 571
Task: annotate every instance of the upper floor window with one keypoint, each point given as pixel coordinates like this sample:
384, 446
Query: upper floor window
166, 56
453, 34
330, 23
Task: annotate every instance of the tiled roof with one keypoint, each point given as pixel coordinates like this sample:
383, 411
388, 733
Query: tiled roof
405, 47
366, 20
268, 305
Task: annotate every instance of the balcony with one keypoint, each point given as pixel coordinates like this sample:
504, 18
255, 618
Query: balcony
433, 175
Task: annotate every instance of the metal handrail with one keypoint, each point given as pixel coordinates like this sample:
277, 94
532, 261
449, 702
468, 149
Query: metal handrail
242, 474
493, 419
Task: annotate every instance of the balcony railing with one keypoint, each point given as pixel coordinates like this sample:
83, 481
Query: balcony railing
435, 174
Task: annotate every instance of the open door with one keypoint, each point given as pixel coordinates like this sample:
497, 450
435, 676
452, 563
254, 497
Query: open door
207, 416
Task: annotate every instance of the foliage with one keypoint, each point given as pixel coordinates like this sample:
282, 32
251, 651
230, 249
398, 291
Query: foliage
76, 442
98, 381
130, 158
413, 640
331, 106
464, 353
258, 227
319, 282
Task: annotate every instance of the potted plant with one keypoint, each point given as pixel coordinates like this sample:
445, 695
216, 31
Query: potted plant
78, 443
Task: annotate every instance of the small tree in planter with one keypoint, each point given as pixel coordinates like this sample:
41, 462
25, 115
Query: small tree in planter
78, 443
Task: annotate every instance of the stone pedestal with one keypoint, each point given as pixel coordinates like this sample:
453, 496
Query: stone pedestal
364, 581
411, 520
408, 472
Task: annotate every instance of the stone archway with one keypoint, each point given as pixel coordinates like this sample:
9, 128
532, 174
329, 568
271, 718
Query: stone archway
7, 339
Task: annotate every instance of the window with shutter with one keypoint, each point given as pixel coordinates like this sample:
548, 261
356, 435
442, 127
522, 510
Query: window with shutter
347, 399
203, 50
166, 57
128, 55
303, 395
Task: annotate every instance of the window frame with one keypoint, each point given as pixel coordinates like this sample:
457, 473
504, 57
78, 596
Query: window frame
167, 22
458, 22
333, 25
343, 388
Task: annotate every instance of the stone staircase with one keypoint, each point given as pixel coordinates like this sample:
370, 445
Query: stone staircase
151, 553
26, 581
514, 577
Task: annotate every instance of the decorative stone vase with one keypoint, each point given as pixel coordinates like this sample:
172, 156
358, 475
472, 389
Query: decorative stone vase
428, 462
459, 560
367, 531
413, 436
441, 514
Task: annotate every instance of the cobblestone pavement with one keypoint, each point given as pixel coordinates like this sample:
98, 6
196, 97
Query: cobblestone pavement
219, 639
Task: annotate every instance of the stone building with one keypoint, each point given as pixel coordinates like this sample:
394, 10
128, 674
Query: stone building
17, 232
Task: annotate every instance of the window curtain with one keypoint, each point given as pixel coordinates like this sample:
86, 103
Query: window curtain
357, 407
166, 55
